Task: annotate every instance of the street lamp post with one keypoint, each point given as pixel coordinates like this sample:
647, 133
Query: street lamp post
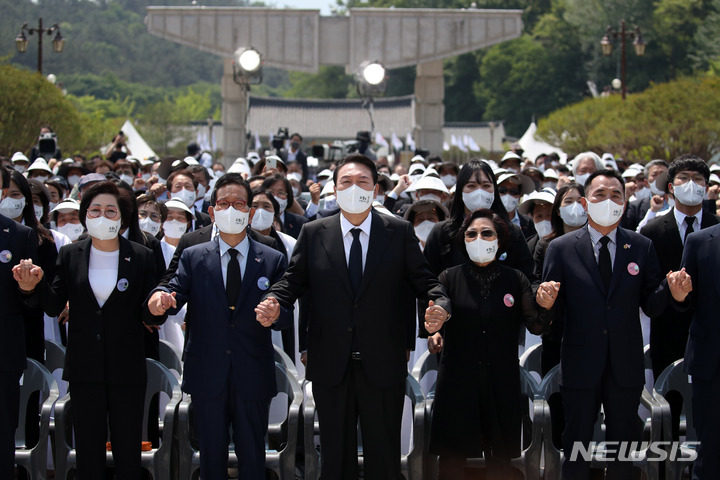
371, 81
638, 43
21, 40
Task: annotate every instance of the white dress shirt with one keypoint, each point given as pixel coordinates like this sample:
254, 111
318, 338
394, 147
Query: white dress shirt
595, 237
682, 226
242, 249
346, 226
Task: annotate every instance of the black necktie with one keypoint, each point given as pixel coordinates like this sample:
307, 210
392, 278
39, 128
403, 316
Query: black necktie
355, 263
605, 263
690, 229
234, 279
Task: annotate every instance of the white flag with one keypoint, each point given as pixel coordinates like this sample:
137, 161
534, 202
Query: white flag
258, 144
461, 144
472, 144
409, 141
396, 142
453, 141
446, 147
380, 140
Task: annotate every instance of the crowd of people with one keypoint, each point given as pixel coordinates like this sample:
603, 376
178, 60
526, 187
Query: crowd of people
355, 271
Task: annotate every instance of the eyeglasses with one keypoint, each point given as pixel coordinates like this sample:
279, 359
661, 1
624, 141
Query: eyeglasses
110, 213
473, 234
280, 194
511, 191
240, 205
155, 217
684, 178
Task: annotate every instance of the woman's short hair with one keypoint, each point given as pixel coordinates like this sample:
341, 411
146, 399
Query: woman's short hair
499, 225
110, 188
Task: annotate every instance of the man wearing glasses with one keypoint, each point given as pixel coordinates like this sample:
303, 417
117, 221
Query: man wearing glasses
229, 366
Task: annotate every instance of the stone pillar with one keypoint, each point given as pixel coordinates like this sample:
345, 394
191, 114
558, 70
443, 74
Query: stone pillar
429, 107
234, 116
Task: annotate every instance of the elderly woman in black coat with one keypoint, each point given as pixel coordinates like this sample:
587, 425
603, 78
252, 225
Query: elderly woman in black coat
477, 407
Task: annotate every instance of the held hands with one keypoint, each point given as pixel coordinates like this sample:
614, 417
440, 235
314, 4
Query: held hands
547, 294
435, 343
27, 275
680, 284
267, 311
435, 316
160, 302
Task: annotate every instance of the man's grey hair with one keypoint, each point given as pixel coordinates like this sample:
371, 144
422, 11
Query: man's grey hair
599, 165
652, 163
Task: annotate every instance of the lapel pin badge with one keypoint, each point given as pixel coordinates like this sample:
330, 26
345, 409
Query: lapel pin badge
633, 268
257, 259
127, 259
5, 256
263, 283
6, 230
122, 284
626, 246
509, 300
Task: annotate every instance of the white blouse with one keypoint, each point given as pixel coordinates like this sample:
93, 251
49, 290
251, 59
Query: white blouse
103, 273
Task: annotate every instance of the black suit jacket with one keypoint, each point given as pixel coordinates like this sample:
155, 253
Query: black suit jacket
293, 223
201, 219
105, 344
527, 226
701, 260
600, 324
376, 316
669, 331
17, 242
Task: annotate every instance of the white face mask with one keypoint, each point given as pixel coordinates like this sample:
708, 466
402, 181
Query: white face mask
72, 230
582, 178
689, 193
330, 202
174, 228
478, 199
449, 180
231, 221
52, 206
605, 213
146, 176
655, 190
481, 251
282, 202
422, 230
12, 207
380, 199
42, 178
354, 199
201, 191
430, 196
218, 173
543, 228
162, 181
185, 196
19, 168
103, 228
509, 202
296, 191
550, 185
643, 193
149, 226
73, 180
573, 215
262, 220
38, 212
129, 179
415, 178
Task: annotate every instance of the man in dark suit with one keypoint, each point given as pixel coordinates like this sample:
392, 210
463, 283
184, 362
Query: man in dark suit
229, 365
601, 275
295, 154
357, 344
16, 242
702, 356
669, 331
637, 209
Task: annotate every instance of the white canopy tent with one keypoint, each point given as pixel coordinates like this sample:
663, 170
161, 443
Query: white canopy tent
534, 147
135, 142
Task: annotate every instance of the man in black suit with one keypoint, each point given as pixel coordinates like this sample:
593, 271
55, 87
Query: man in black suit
16, 242
295, 154
702, 356
229, 366
601, 275
638, 208
688, 179
357, 343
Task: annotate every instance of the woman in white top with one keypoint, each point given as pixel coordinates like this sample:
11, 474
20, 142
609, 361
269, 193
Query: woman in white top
177, 220
106, 279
